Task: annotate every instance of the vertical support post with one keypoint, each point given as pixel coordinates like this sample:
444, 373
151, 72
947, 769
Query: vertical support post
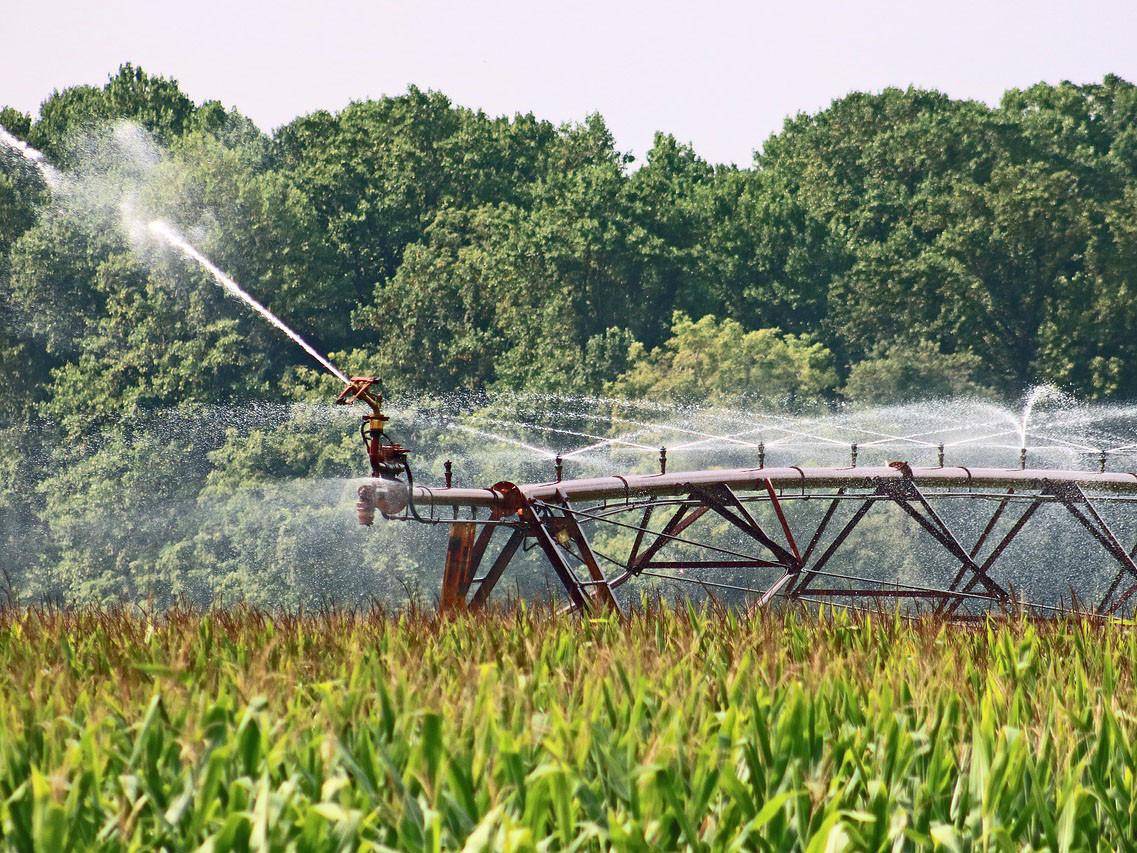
464, 552
459, 554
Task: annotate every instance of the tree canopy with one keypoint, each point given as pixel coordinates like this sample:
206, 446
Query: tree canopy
894, 245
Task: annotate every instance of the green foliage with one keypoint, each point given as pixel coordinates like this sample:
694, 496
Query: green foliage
234, 730
156, 103
892, 246
712, 359
915, 371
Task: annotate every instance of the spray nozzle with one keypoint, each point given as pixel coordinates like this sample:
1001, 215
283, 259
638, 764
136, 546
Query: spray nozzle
388, 459
359, 388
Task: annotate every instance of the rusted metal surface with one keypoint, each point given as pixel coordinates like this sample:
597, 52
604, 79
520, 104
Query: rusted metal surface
459, 564
753, 479
561, 517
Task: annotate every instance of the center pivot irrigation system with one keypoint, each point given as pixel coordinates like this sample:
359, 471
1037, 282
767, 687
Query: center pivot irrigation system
784, 556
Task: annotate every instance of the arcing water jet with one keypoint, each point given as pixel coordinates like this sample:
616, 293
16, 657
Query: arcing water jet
50, 174
168, 234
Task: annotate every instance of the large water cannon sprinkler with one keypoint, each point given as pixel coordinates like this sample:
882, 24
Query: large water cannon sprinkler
388, 458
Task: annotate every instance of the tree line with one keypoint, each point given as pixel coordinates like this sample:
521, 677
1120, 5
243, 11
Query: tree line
895, 245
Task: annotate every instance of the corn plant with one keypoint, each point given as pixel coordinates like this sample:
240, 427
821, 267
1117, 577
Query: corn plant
234, 730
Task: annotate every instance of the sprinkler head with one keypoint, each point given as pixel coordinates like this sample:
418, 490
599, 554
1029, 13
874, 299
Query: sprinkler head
388, 459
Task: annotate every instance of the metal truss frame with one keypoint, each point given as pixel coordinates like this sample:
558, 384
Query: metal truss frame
544, 517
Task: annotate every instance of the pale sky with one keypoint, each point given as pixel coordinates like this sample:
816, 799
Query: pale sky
721, 75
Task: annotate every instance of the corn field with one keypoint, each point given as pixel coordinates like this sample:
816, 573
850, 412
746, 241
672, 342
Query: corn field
521, 730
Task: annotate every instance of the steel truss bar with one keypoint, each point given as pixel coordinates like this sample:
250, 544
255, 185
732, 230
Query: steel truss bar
879, 593
711, 564
576, 534
487, 583
807, 574
563, 570
716, 584
825, 519
1071, 496
665, 535
722, 500
942, 533
555, 525
675, 525
942, 592
640, 533
991, 525
1031, 509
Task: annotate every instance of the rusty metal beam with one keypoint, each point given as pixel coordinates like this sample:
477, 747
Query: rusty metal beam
464, 554
485, 587
726, 504
459, 559
753, 479
603, 591
556, 526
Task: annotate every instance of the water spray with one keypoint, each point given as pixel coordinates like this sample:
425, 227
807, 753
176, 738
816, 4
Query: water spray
388, 458
50, 174
169, 235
